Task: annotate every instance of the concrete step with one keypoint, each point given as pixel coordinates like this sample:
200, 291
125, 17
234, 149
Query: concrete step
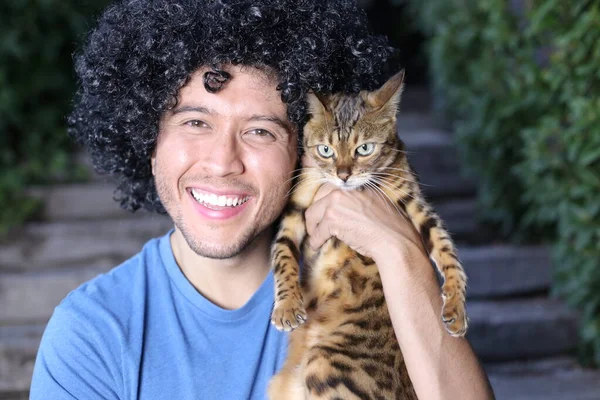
18, 347
548, 379
39, 246
434, 157
90, 200
503, 270
460, 218
521, 328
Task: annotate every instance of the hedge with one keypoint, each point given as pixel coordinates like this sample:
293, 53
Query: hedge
37, 83
521, 81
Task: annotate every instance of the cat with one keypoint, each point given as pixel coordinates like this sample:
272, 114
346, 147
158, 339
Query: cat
343, 344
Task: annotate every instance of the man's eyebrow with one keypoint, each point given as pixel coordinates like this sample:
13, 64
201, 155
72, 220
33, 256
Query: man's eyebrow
201, 109
285, 124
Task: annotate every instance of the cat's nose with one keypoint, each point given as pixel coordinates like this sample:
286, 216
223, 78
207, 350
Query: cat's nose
343, 174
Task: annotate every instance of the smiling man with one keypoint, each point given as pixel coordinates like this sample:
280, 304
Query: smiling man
197, 107
222, 164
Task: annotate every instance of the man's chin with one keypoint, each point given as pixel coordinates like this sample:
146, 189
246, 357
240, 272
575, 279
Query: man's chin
217, 251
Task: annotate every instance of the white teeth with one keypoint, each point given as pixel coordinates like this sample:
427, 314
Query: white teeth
220, 201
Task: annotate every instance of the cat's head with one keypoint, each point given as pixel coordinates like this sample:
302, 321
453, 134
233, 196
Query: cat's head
353, 136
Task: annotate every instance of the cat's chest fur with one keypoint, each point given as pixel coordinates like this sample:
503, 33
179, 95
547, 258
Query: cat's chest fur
335, 273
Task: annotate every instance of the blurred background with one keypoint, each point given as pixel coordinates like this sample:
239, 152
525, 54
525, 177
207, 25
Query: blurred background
501, 115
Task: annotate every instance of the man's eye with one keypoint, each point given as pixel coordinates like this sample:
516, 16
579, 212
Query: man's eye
261, 132
196, 123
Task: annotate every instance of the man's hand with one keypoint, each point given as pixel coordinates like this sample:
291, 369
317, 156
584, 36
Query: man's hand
365, 220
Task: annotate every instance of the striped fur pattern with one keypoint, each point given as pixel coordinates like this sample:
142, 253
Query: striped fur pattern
343, 345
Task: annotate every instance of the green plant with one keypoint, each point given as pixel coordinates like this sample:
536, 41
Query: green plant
37, 82
520, 81
561, 158
481, 64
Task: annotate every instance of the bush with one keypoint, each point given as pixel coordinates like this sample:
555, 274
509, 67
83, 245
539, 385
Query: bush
482, 64
37, 39
561, 158
520, 80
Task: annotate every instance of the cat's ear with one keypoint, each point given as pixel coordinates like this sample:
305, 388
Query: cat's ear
389, 94
316, 104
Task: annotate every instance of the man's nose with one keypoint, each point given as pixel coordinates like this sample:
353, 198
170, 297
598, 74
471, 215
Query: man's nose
224, 156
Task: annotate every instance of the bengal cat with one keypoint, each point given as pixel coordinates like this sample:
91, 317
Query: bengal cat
344, 346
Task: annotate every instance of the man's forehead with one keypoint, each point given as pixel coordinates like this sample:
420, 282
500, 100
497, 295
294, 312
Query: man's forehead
249, 92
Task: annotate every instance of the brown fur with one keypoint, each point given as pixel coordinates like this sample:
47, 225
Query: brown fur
347, 348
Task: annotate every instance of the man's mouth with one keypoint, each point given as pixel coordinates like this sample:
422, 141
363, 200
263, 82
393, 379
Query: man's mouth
216, 202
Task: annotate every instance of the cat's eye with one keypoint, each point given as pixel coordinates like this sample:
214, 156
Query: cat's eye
325, 151
365, 149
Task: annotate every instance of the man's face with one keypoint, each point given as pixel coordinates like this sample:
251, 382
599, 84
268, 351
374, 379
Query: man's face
223, 161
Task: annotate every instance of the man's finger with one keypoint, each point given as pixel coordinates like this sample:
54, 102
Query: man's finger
315, 212
319, 237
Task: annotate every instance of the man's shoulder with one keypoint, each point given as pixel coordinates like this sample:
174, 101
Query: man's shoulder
84, 341
117, 289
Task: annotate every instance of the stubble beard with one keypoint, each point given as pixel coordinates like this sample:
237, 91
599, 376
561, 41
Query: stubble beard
220, 252
203, 249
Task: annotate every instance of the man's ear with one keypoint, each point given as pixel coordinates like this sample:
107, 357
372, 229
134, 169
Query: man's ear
153, 163
316, 104
389, 94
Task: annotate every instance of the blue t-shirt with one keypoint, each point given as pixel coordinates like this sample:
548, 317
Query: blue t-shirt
142, 331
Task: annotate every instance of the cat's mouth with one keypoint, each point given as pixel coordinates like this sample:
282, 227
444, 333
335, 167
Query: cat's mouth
357, 183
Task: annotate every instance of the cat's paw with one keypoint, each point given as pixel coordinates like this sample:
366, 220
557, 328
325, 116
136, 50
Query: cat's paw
288, 314
454, 316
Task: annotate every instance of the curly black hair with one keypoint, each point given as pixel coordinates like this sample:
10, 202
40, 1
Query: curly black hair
143, 51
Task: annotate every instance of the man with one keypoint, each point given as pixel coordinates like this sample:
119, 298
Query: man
198, 106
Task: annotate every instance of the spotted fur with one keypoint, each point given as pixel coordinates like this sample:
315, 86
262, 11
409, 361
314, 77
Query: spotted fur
343, 345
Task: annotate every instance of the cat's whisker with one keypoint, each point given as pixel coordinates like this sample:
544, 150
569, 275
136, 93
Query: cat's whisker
402, 151
392, 175
398, 188
308, 181
376, 190
407, 180
390, 199
304, 173
392, 188
396, 169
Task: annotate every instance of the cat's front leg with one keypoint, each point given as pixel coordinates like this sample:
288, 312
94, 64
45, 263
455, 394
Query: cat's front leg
442, 251
288, 310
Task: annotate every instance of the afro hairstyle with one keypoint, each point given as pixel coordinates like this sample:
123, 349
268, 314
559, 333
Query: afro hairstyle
141, 52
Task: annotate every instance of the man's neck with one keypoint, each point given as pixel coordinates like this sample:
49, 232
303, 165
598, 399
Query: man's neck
228, 283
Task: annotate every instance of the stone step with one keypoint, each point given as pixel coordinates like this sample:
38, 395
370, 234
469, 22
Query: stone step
434, 157
549, 379
502, 270
18, 347
70, 243
521, 328
78, 201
